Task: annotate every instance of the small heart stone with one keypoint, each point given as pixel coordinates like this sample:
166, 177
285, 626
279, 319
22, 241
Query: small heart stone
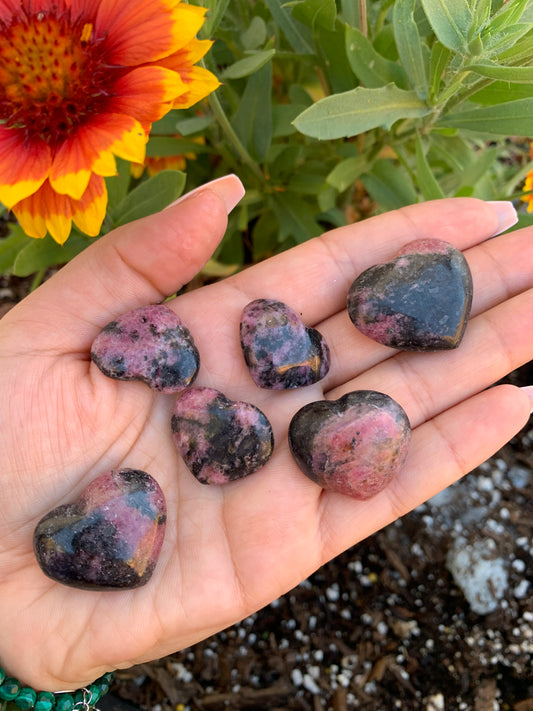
281, 352
220, 440
354, 445
419, 301
110, 538
150, 344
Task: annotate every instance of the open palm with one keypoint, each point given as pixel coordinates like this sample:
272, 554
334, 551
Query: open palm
229, 550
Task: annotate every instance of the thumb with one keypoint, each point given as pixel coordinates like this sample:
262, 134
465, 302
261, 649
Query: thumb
139, 263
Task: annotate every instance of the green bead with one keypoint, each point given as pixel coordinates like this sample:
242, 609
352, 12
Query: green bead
2, 675
64, 702
9, 689
46, 701
26, 698
93, 697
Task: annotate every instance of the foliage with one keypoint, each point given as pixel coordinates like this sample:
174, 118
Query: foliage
323, 102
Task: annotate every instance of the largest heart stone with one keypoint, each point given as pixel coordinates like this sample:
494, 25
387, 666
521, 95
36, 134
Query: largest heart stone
354, 445
419, 301
107, 540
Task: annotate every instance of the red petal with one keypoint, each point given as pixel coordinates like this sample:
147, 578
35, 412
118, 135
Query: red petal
146, 93
23, 166
136, 31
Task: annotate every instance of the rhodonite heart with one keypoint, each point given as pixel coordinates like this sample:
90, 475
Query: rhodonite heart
419, 301
220, 440
150, 344
281, 352
110, 538
354, 445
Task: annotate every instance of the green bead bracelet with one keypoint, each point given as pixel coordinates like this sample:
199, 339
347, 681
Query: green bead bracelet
27, 698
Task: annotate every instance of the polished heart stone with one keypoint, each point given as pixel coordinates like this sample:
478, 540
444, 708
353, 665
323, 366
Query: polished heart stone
220, 440
279, 350
110, 538
419, 301
150, 344
354, 445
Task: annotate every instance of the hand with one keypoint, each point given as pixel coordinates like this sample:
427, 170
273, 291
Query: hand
232, 549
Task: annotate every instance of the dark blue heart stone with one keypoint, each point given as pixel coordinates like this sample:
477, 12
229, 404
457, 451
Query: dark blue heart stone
107, 540
419, 301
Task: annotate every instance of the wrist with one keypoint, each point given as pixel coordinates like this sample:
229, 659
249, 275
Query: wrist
25, 697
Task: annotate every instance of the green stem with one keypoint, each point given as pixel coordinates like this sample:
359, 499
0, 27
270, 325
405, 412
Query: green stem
227, 128
37, 279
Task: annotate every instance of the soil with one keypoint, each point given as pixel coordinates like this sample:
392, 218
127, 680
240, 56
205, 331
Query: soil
383, 626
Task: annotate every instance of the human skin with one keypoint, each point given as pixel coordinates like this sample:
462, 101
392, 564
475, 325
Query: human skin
229, 550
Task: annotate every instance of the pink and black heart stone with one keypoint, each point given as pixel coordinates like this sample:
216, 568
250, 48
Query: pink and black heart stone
150, 344
279, 350
419, 301
354, 445
220, 440
110, 538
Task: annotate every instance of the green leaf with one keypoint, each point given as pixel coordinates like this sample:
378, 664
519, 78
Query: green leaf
389, 186
507, 46
353, 112
368, 65
255, 35
248, 65
117, 185
451, 21
481, 13
294, 217
345, 173
425, 178
332, 52
283, 116
42, 253
163, 146
440, 56
10, 246
292, 30
409, 45
190, 126
316, 13
513, 118
509, 14
498, 93
517, 75
150, 196
479, 167
253, 119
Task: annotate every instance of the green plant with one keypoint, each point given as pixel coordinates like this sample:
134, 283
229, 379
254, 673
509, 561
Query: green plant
332, 110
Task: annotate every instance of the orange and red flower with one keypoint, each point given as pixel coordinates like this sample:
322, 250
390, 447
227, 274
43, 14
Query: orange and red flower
81, 82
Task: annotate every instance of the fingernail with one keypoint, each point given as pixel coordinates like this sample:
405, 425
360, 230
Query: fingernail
506, 212
528, 390
229, 188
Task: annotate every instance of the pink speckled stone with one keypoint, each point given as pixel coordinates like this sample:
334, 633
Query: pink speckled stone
419, 301
150, 344
354, 445
220, 440
110, 538
281, 352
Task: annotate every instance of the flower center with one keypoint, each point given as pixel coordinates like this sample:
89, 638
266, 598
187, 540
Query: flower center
51, 79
